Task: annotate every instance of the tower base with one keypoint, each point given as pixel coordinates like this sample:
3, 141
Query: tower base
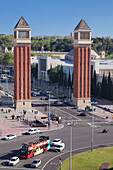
26, 104
81, 102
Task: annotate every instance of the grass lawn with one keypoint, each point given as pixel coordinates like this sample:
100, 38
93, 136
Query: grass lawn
90, 160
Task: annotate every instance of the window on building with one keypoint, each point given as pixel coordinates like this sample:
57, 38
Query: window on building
43, 65
15, 34
83, 101
76, 36
23, 103
84, 35
23, 34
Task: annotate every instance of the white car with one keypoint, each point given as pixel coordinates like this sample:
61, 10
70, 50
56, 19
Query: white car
56, 142
32, 131
13, 161
60, 147
10, 136
36, 163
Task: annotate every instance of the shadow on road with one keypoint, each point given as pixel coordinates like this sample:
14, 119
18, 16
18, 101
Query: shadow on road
7, 156
27, 165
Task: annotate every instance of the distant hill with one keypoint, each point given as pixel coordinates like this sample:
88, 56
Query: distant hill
60, 43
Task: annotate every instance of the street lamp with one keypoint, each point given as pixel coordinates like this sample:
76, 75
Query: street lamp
71, 124
22, 99
92, 126
49, 111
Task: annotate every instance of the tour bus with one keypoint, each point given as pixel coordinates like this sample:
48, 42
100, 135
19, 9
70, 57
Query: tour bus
31, 149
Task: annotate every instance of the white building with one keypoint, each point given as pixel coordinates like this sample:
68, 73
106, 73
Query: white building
45, 63
70, 55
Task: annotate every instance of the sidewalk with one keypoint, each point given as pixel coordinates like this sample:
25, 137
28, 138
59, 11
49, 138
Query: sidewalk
17, 127
100, 109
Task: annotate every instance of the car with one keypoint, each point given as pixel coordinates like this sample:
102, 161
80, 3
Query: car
70, 123
10, 136
32, 131
105, 131
36, 163
76, 107
13, 161
56, 142
82, 114
46, 98
60, 147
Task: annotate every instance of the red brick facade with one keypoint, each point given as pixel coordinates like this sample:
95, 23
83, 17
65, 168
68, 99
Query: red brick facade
22, 73
82, 72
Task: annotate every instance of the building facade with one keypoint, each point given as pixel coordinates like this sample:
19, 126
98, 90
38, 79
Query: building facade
82, 65
22, 64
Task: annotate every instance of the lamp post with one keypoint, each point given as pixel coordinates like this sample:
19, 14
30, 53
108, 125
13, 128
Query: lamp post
92, 126
71, 124
49, 111
22, 99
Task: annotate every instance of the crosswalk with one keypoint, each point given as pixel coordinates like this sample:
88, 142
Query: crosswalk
87, 123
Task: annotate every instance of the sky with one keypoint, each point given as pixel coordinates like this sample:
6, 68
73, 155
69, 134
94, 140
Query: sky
57, 17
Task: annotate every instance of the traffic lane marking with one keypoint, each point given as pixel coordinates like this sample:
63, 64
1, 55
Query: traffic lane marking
68, 113
64, 111
86, 147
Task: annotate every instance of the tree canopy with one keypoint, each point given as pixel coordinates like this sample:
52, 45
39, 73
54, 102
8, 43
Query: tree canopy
7, 59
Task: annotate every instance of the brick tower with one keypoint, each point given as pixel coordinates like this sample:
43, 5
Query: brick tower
82, 64
22, 64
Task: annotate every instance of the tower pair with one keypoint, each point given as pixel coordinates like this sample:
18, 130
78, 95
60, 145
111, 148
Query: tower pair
22, 64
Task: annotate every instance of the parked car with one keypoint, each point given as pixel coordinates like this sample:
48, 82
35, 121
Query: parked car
10, 136
82, 114
60, 147
36, 163
32, 131
13, 161
56, 142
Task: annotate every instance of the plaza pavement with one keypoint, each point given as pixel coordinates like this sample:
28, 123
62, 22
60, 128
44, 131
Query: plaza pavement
101, 112
9, 126
17, 127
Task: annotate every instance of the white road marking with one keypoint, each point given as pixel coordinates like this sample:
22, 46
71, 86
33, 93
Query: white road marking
63, 111
86, 147
68, 113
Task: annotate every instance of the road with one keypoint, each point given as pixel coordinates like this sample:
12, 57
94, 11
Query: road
81, 140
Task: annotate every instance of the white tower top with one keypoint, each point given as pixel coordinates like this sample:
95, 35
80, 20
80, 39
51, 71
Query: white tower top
82, 34
22, 32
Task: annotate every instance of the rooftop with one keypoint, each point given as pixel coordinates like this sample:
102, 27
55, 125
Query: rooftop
22, 23
82, 25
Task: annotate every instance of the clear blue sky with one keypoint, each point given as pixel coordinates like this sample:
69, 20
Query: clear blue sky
57, 17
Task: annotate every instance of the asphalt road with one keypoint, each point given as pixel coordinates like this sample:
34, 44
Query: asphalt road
81, 140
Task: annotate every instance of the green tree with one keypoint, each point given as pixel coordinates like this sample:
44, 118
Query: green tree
94, 84
109, 87
7, 59
69, 79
